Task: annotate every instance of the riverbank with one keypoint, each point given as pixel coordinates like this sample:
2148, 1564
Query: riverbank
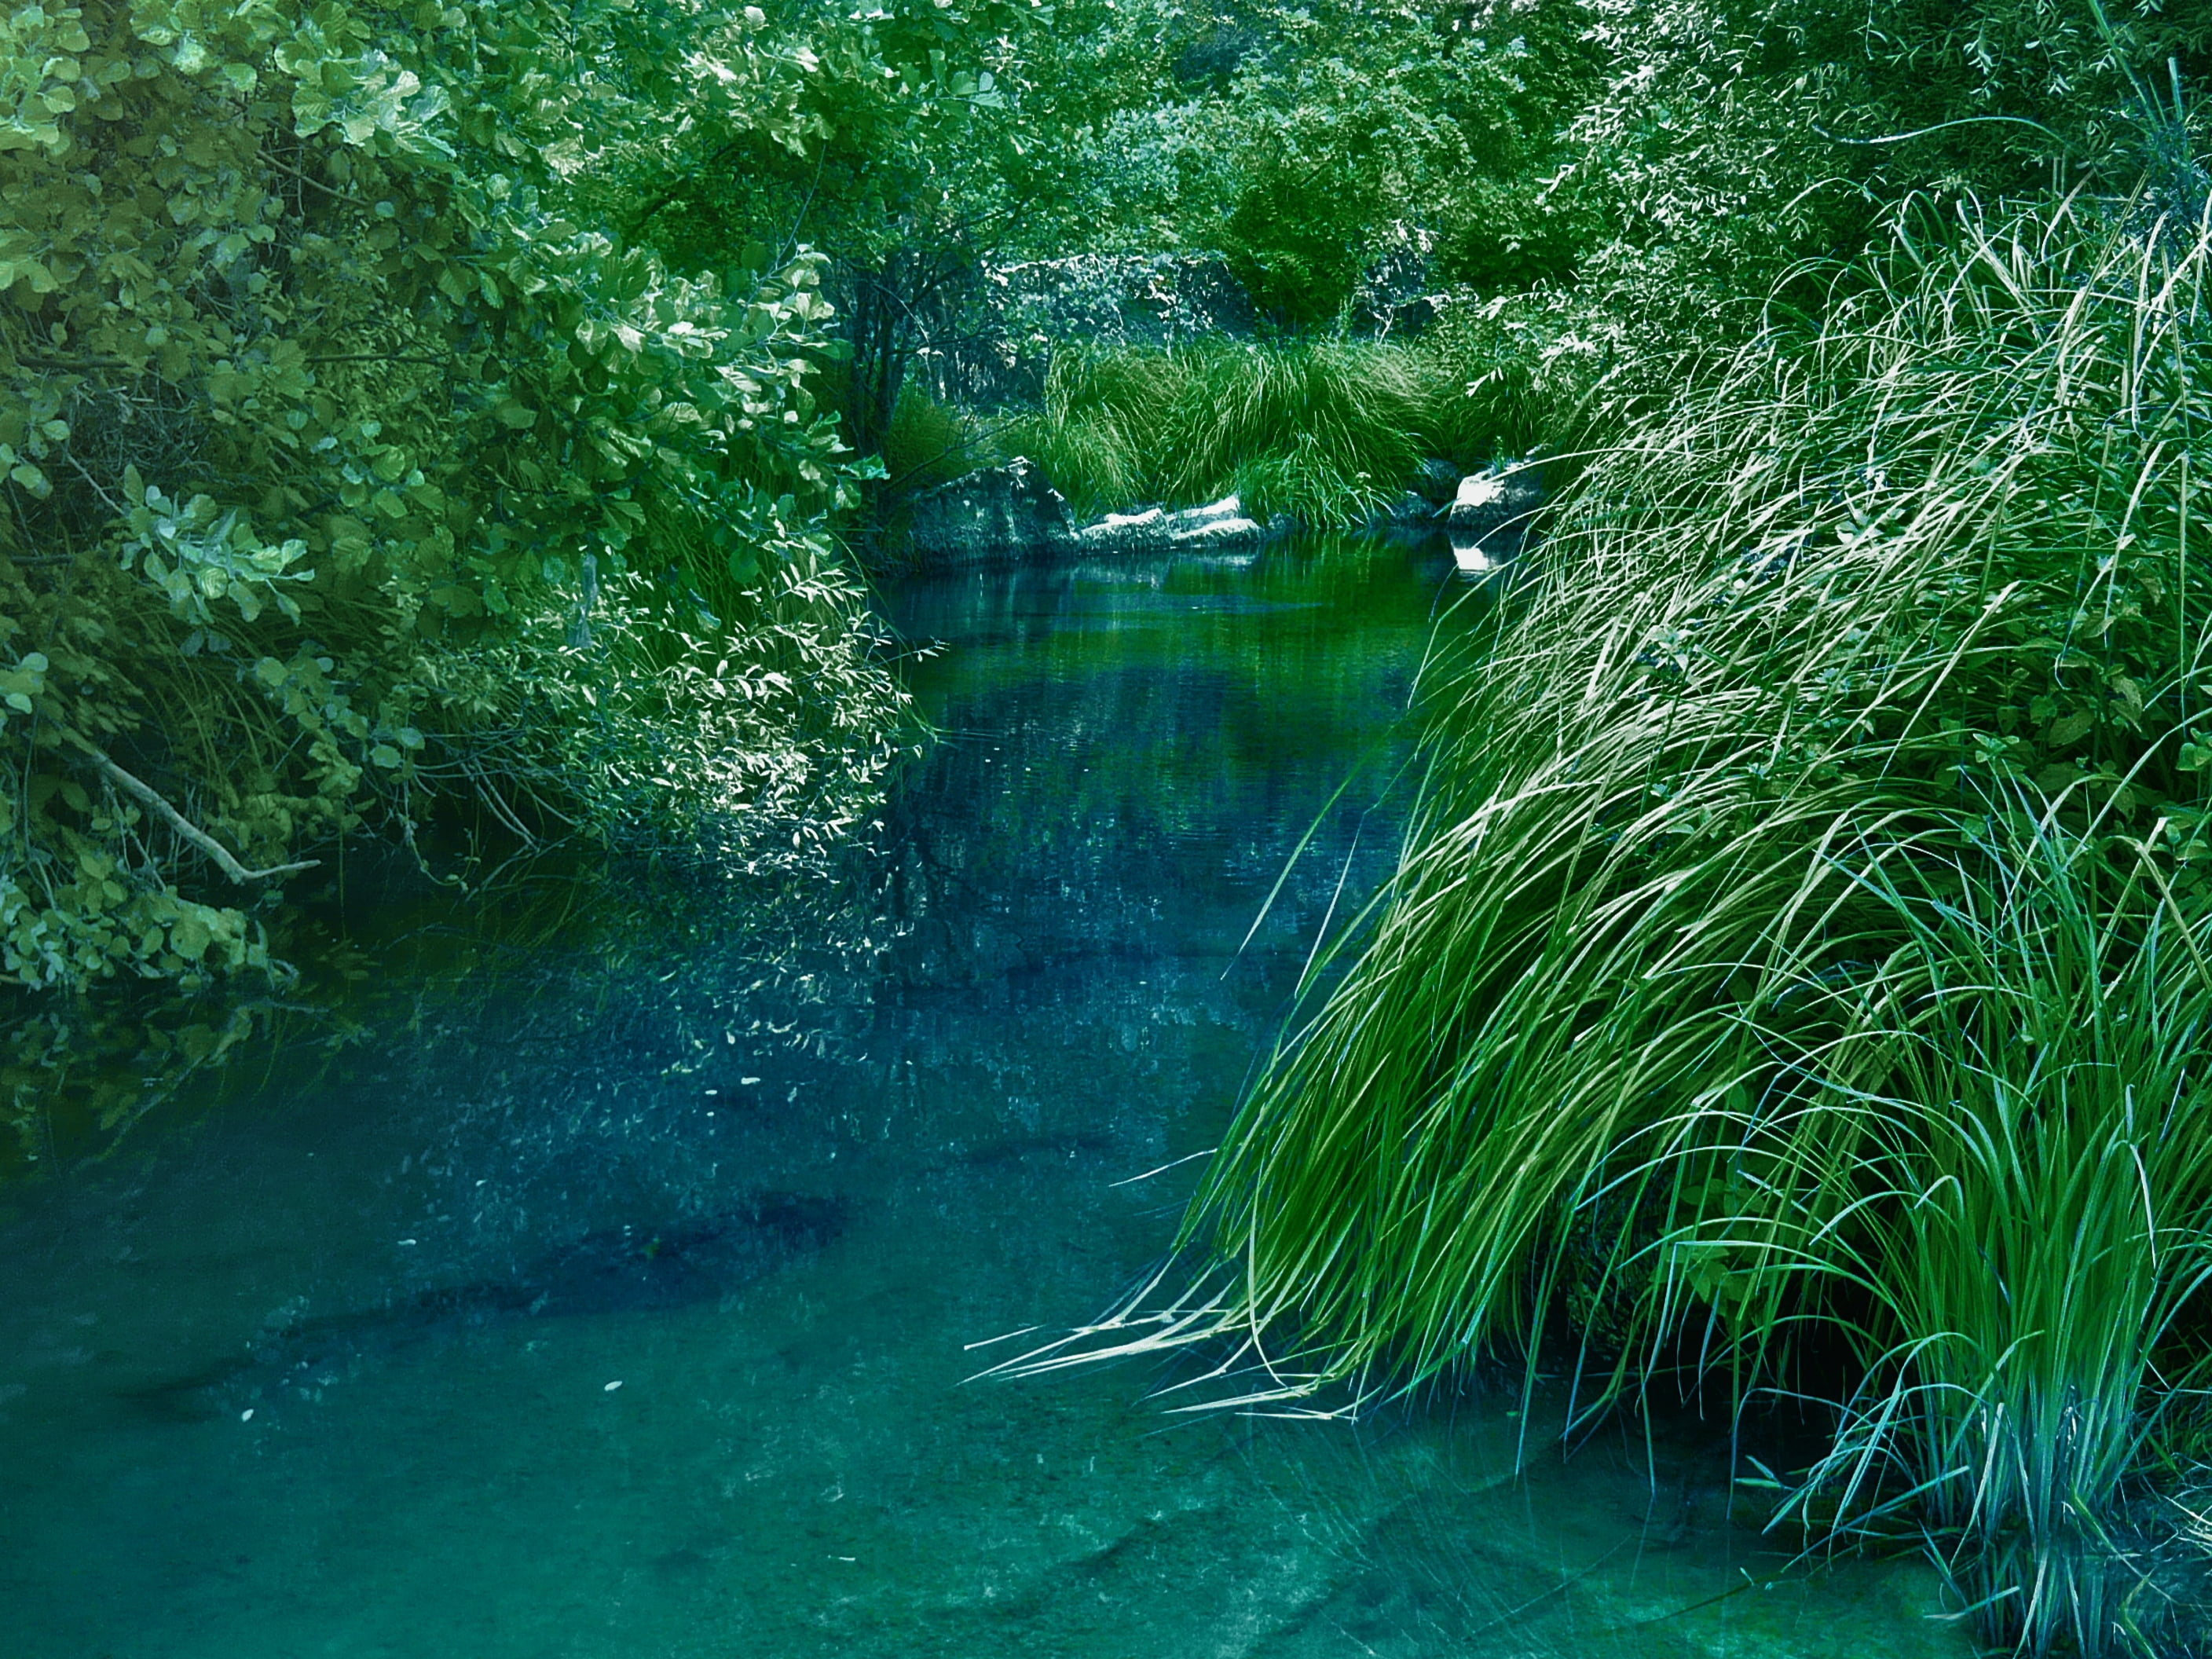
1792, 983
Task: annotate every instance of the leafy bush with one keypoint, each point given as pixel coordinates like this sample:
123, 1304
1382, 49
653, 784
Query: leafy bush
1297, 239
351, 471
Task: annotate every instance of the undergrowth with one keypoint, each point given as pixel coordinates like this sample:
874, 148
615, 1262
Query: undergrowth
1327, 432
1803, 942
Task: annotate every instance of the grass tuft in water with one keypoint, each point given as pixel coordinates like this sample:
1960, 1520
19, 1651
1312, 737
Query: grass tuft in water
1801, 944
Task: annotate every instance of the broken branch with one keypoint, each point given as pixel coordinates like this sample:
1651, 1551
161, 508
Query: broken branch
184, 826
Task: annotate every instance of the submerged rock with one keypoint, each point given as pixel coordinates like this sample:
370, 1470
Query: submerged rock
1407, 515
616, 1270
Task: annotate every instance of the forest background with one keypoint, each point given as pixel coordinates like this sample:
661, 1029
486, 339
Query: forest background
434, 433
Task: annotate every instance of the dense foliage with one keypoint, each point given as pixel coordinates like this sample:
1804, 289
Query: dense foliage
358, 471
431, 423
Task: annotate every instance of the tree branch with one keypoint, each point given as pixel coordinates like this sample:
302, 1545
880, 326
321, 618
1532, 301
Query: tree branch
317, 184
177, 821
114, 506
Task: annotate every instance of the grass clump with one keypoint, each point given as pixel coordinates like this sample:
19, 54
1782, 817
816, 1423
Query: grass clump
2027, 1222
1326, 433
927, 443
1801, 944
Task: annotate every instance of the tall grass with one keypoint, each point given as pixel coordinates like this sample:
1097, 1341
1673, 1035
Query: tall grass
1801, 939
927, 442
1326, 433
2031, 1223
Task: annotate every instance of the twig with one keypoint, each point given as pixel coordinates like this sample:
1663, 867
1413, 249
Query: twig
317, 184
821, 158
177, 821
71, 365
114, 506
1542, 1596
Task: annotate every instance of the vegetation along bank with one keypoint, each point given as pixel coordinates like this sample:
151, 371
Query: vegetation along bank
457, 429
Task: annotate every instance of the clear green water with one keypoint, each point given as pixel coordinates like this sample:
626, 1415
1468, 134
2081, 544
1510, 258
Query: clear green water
775, 1187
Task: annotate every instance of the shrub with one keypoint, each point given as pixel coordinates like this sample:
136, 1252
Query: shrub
927, 442
351, 470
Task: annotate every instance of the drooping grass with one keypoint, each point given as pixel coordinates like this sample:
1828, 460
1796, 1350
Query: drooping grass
1802, 929
2030, 1222
1327, 432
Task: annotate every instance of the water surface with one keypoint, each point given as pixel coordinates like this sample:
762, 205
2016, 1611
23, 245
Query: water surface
621, 1300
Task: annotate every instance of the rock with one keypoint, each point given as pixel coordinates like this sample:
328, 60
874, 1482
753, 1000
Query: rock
1493, 500
1010, 513
1489, 516
1409, 518
1218, 525
995, 513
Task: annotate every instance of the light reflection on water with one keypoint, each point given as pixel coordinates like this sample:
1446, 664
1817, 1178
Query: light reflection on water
620, 1304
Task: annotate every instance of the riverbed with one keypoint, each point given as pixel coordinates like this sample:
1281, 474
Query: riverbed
631, 1300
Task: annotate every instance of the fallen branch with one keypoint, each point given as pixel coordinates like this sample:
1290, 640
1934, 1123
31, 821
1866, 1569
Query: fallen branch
184, 826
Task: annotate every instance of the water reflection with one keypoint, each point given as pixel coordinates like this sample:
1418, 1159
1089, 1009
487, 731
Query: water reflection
615, 1296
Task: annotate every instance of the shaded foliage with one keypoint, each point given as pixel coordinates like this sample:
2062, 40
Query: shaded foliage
357, 470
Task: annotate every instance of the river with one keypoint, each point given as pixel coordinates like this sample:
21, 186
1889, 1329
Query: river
624, 1295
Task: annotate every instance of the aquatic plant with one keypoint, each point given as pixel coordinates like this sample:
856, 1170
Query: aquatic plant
2030, 1220
1802, 939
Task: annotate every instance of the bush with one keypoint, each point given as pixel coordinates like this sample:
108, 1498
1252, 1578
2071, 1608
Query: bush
353, 477
927, 443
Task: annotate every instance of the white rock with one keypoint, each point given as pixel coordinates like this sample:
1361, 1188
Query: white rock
1479, 489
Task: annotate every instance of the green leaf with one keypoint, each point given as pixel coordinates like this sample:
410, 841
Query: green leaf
189, 937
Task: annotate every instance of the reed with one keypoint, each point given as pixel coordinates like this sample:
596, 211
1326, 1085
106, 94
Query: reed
1801, 934
2029, 1228
1326, 432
